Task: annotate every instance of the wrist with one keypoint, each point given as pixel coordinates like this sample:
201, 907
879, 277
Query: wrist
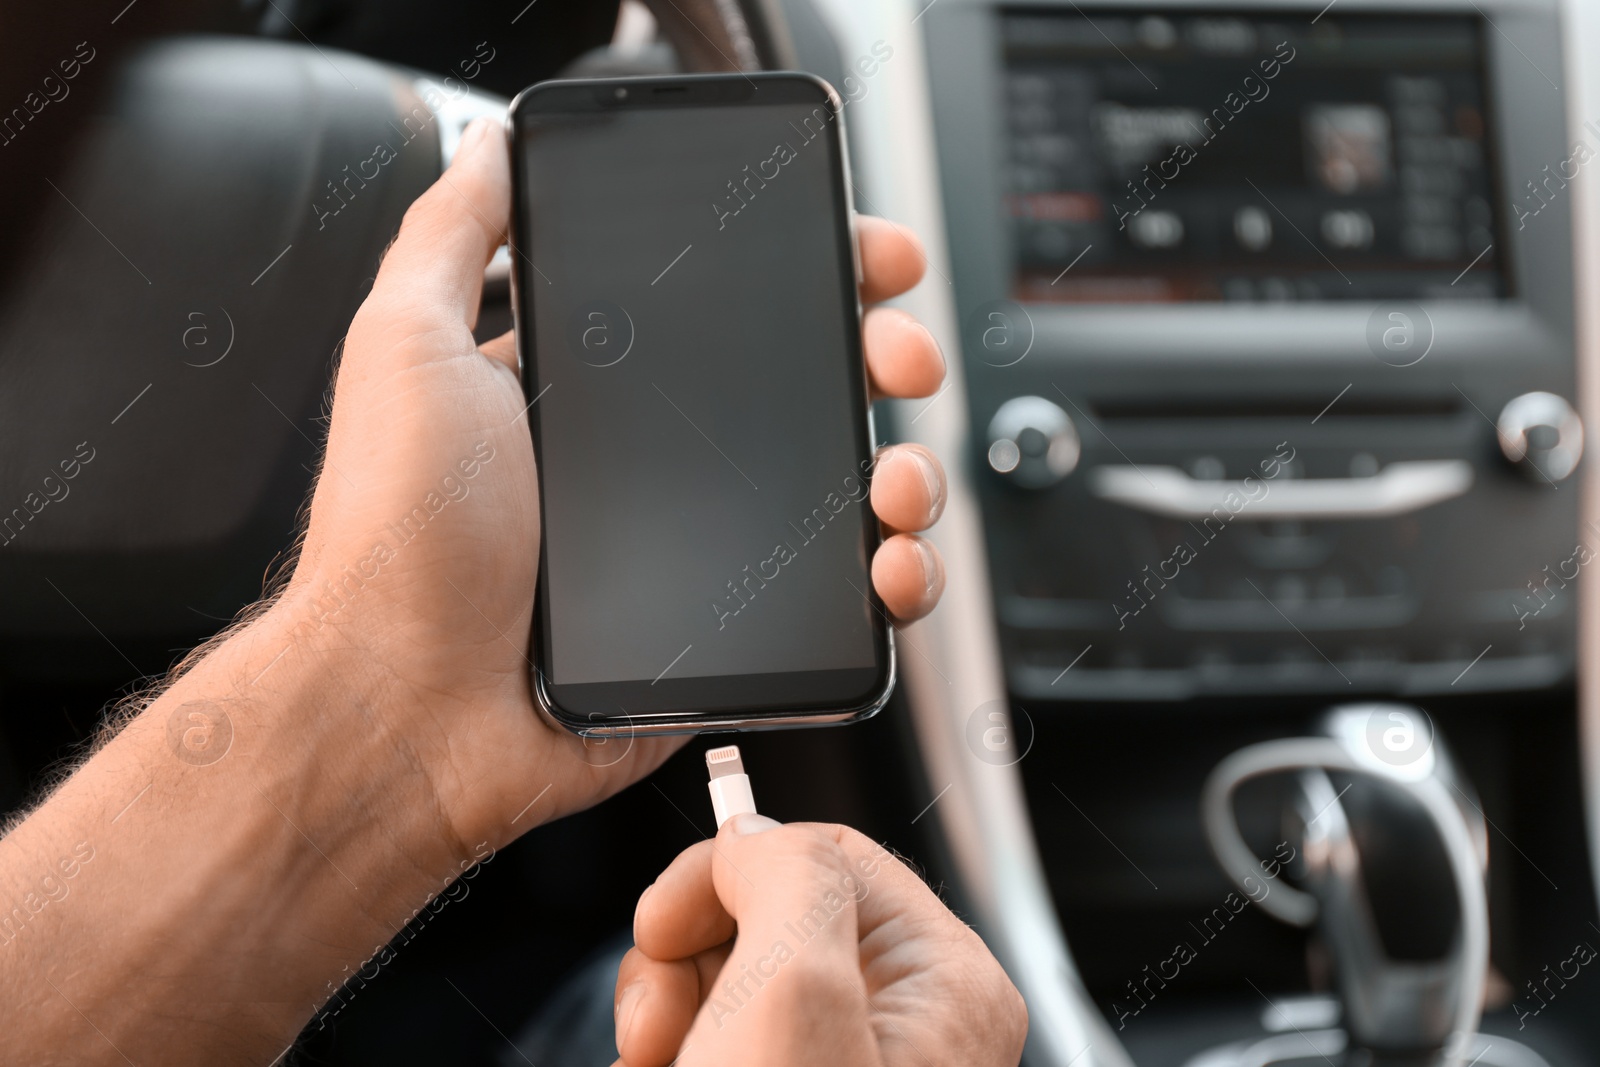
264, 802
383, 730
447, 736
312, 722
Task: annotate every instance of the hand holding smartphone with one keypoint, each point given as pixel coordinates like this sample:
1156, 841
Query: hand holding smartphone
685, 274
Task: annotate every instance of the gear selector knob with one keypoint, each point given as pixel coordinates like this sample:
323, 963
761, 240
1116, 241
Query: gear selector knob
1393, 851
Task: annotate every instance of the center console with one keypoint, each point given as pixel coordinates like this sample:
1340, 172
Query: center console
1266, 403
1267, 318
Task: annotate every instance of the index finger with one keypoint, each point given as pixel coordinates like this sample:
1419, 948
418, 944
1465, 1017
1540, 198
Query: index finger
892, 258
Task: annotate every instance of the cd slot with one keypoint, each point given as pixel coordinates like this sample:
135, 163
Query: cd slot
1318, 407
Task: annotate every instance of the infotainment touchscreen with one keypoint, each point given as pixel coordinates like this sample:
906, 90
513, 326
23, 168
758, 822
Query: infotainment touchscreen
1193, 157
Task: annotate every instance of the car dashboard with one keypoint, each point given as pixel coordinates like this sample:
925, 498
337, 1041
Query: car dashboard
1253, 304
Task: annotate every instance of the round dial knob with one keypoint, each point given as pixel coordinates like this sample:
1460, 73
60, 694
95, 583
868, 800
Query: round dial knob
1033, 442
1542, 435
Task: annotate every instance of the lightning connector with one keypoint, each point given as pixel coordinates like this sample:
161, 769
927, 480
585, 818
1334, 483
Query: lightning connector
729, 785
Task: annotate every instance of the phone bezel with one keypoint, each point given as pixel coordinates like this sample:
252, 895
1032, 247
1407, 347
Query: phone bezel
723, 702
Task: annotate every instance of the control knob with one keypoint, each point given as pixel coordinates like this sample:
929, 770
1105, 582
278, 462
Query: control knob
1542, 435
1033, 442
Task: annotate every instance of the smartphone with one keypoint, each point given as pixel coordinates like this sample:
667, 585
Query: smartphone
685, 275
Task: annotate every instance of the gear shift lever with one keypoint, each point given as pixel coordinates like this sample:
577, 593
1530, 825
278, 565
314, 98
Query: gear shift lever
1387, 913
1393, 875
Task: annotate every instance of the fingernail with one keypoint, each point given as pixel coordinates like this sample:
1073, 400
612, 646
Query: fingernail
752, 824
627, 1008
931, 480
930, 565
638, 909
473, 134
937, 350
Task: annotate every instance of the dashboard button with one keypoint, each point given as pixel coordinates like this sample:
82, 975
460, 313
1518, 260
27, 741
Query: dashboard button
1542, 435
1033, 442
1252, 226
1156, 229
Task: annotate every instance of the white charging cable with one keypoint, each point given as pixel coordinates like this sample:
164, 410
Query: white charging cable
729, 785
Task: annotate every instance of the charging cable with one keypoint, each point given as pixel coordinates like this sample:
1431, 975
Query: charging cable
729, 785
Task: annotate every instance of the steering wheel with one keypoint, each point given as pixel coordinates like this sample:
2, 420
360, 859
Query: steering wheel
168, 343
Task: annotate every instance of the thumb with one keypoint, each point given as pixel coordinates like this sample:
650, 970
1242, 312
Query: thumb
792, 985
432, 275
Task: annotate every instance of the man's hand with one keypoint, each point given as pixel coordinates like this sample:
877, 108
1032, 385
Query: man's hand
305, 787
444, 618
807, 944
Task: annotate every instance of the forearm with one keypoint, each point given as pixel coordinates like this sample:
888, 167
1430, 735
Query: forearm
190, 900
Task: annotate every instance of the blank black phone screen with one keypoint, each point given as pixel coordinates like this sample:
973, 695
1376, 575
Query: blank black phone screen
698, 395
